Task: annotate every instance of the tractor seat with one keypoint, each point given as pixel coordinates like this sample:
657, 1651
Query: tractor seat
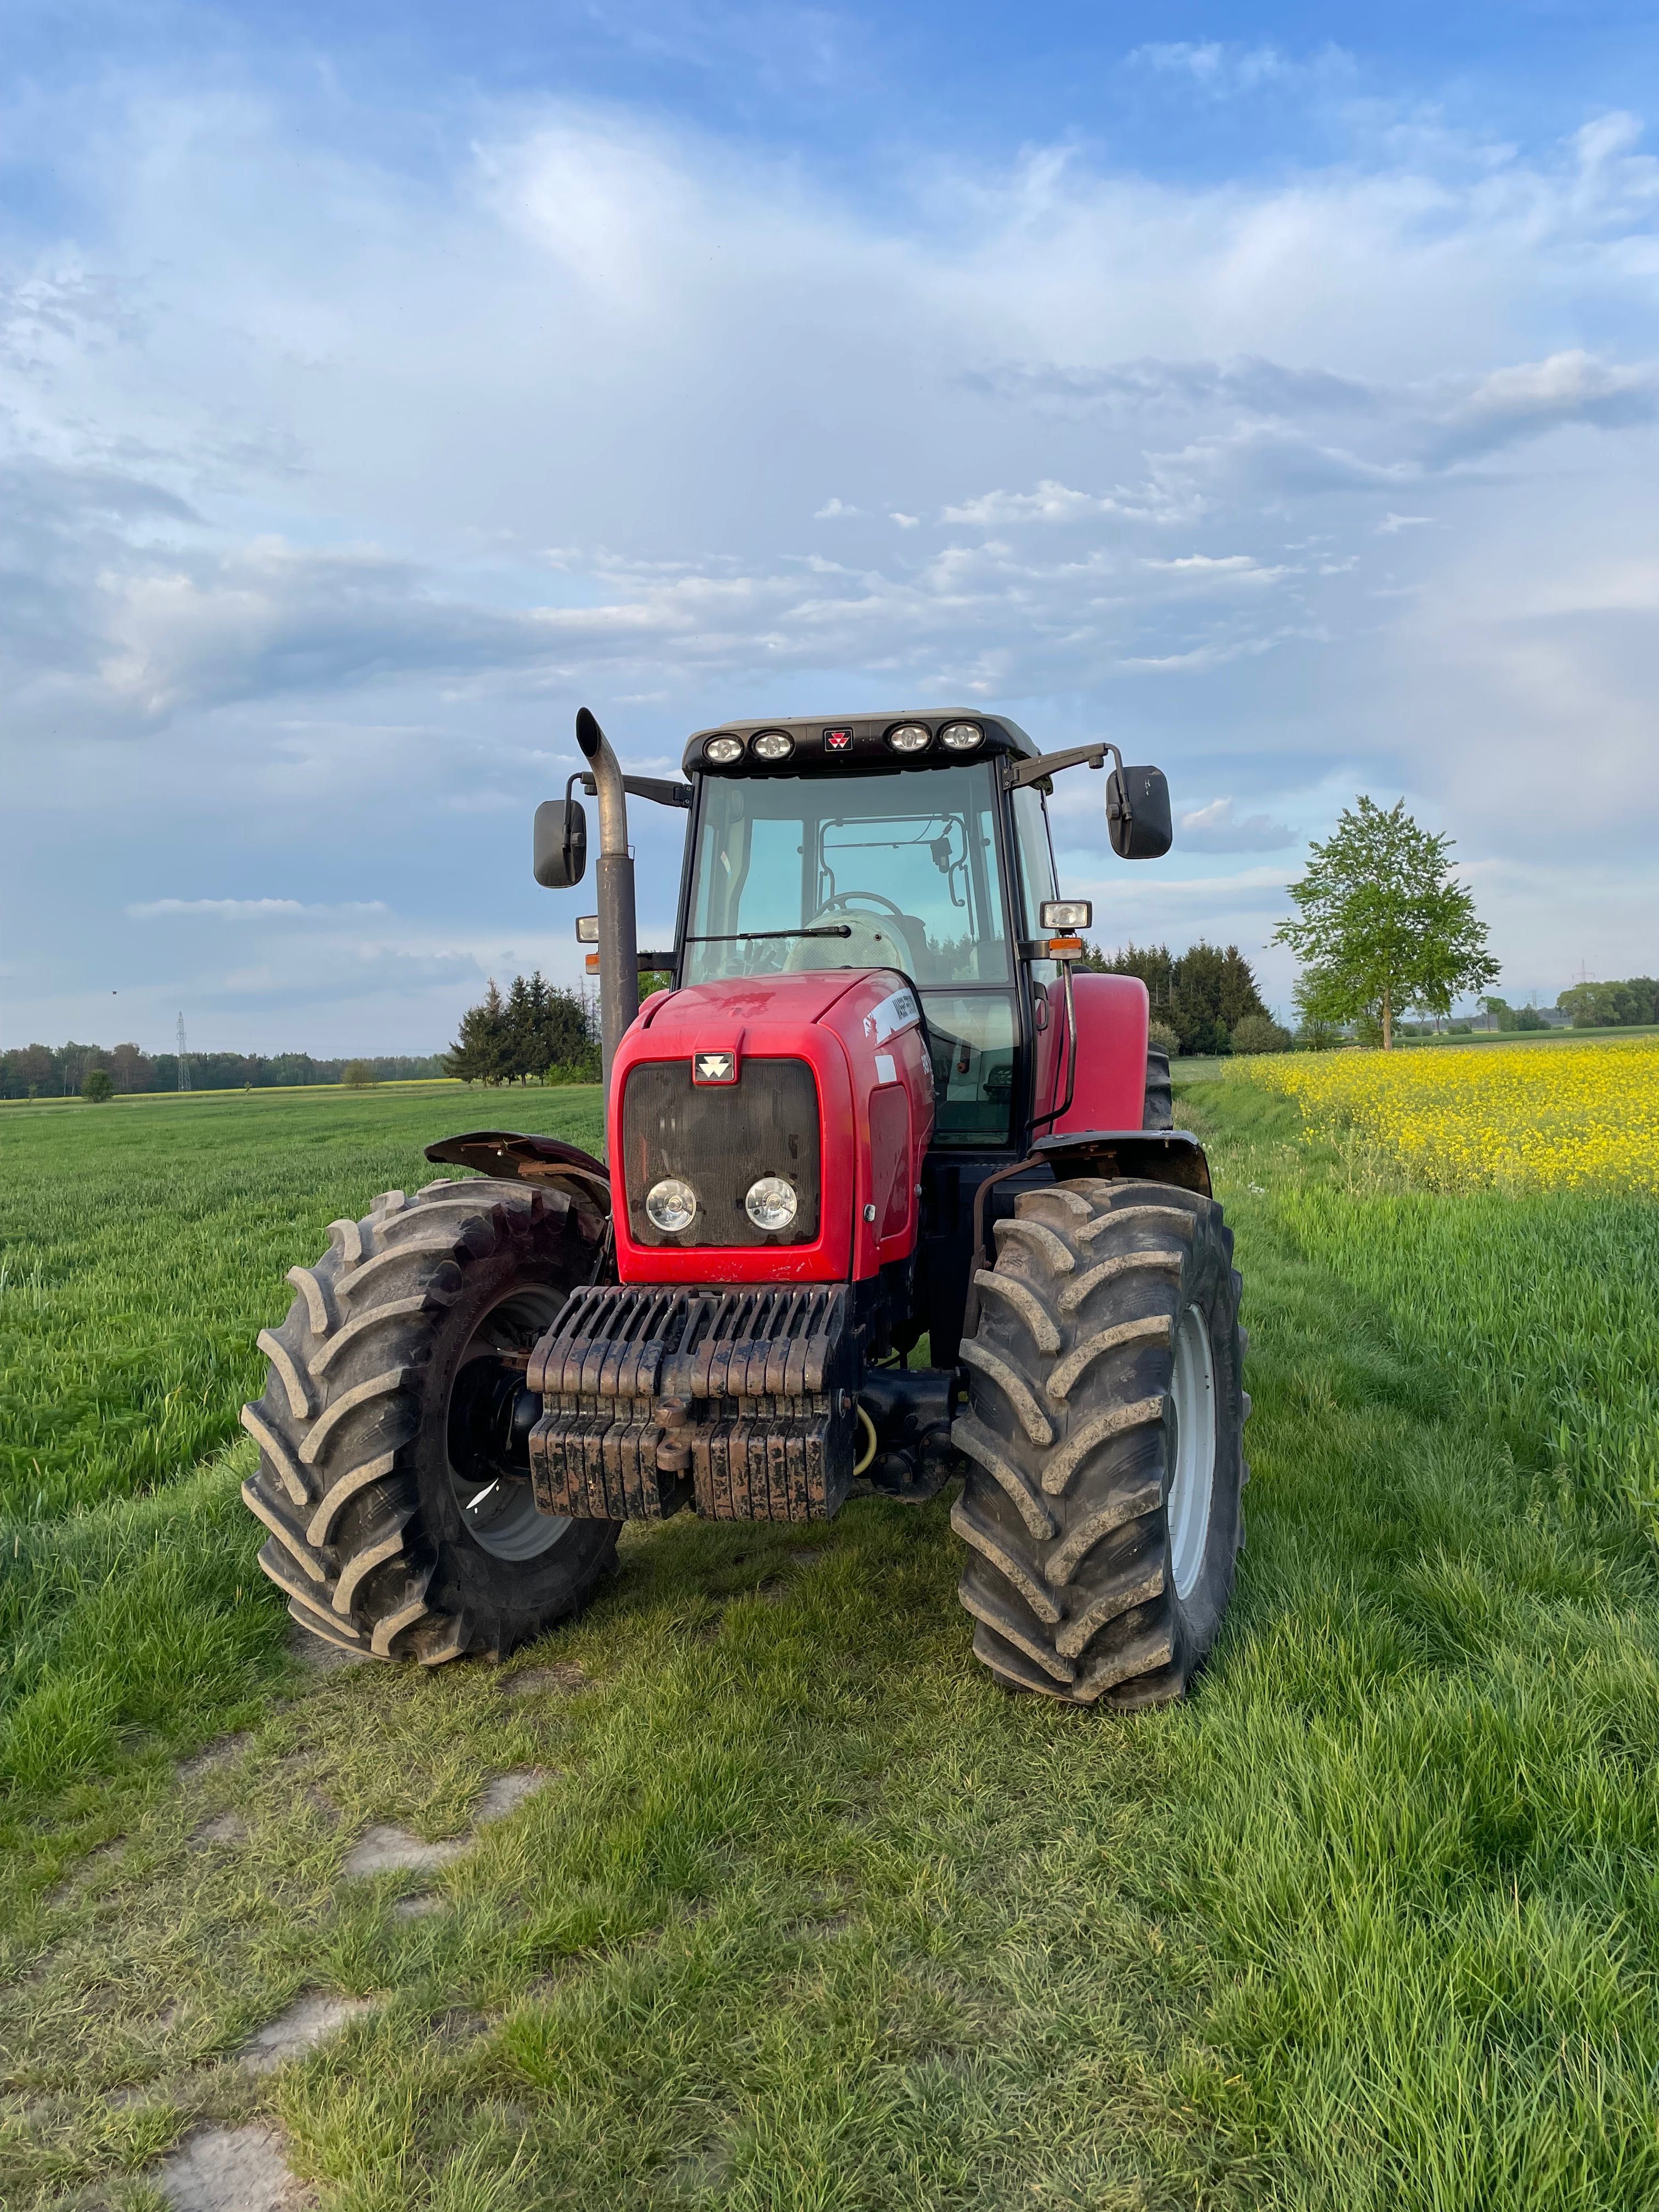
879, 940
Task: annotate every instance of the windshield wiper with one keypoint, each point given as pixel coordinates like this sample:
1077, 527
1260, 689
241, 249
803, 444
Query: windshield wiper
743, 936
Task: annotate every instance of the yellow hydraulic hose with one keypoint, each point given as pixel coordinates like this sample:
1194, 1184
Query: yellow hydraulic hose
870, 1449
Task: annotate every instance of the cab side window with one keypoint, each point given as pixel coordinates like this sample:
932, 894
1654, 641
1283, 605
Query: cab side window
1037, 858
1037, 880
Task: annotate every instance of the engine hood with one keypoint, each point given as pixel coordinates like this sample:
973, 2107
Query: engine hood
710, 1014
827, 1069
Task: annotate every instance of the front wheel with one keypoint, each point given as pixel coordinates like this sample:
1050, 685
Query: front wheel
394, 1474
1104, 1442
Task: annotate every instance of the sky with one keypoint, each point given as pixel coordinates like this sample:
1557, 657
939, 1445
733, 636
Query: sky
1272, 390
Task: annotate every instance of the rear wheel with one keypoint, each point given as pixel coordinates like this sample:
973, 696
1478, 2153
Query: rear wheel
393, 1432
1104, 1442
1158, 1112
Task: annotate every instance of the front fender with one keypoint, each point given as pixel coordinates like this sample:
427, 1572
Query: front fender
1172, 1156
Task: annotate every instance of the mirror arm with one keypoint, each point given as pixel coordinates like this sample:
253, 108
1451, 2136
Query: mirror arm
1016, 775
658, 788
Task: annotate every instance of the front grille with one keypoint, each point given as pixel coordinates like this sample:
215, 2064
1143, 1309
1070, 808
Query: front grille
741, 1398
720, 1138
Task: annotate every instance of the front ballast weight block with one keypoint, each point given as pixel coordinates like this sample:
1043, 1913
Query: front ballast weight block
655, 1397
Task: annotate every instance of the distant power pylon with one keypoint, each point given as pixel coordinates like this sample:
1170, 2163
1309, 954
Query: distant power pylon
183, 1057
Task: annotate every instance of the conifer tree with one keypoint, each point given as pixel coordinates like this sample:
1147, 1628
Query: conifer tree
521, 1039
1202, 995
480, 1054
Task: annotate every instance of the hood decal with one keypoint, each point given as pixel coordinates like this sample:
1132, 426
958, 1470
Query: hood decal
896, 1013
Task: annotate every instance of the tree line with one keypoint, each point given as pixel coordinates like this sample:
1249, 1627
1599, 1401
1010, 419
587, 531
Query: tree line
1205, 1000
41, 1070
1612, 1005
1502, 1016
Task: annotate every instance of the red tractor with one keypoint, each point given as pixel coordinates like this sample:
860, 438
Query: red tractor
878, 1108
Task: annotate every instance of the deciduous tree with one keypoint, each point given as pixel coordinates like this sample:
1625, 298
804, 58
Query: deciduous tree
1382, 924
1611, 1005
131, 1068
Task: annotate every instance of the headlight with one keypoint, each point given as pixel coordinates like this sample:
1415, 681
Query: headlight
1066, 914
772, 745
962, 737
672, 1203
723, 751
911, 738
771, 1204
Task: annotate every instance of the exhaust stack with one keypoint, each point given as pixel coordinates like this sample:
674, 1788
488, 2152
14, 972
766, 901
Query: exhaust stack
619, 952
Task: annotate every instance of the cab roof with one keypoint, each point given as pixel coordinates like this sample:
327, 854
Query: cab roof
825, 744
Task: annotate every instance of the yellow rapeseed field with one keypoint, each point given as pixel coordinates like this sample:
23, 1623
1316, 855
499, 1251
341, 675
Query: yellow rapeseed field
1519, 1117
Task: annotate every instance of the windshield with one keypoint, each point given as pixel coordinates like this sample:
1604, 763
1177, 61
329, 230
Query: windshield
903, 869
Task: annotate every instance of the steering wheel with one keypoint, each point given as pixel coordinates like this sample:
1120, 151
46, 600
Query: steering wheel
839, 903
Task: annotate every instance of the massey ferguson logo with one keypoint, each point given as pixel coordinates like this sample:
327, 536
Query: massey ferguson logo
715, 1067
838, 741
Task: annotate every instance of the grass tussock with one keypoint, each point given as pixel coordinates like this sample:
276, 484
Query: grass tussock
813, 1915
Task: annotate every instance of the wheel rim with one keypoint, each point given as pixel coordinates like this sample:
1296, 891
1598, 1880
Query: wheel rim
1192, 1481
492, 1493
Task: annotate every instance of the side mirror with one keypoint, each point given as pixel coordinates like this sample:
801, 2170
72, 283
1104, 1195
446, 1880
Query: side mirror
1138, 813
561, 844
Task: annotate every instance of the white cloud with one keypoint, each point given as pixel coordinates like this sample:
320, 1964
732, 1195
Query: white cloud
1528, 400
1216, 651
1049, 503
833, 510
1219, 569
1218, 828
249, 910
1218, 68
904, 521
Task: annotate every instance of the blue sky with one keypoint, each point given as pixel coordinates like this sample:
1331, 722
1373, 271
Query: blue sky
1272, 390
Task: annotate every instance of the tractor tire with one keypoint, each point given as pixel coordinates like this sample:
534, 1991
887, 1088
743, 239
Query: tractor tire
377, 1422
1159, 1110
1103, 1443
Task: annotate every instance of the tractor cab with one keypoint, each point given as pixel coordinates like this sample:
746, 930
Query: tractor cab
869, 855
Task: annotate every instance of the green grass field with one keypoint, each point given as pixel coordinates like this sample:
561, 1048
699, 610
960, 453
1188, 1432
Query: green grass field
808, 1913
